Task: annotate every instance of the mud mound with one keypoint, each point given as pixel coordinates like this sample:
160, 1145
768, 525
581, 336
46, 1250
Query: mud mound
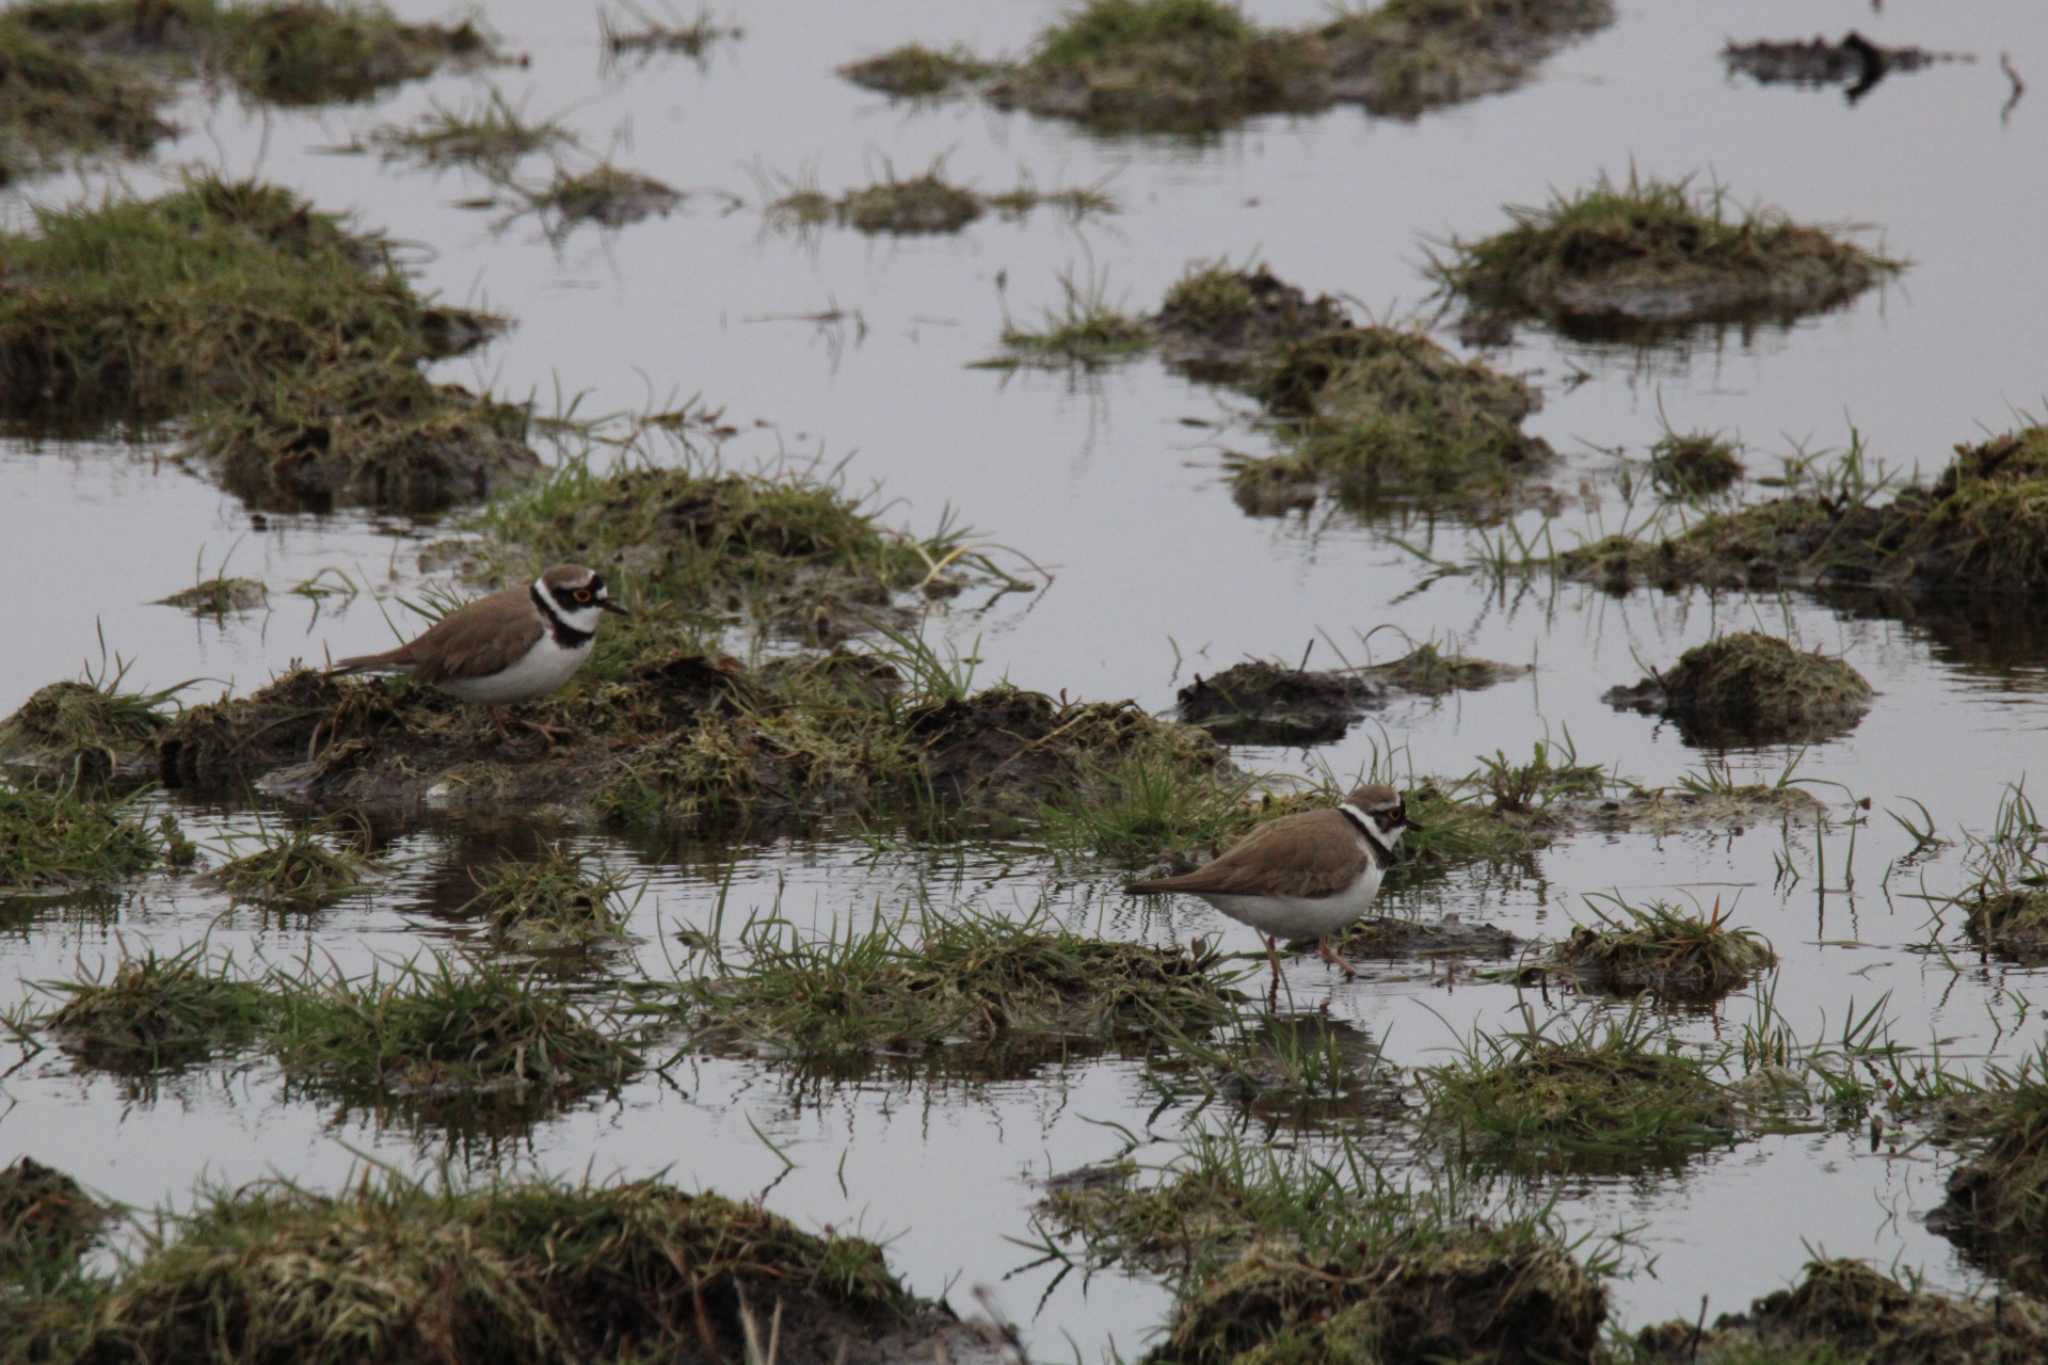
1506, 1297
1261, 703
1217, 323
1751, 688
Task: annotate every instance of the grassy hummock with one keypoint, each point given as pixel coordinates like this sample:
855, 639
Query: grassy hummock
54, 102
1997, 1206
924, 204
1693, 465
151, 1013
550, 900
490, 135
916, 71
1611, 1098
1261, 702
1641, 260
1663, 949
1981, 527
291, 344
1752, 688
1384, 415
1195, 66
55, 837
447, 1040
1842, 1311
88, 729
2009, 922
607, 195
291, 52
46, 1221
520, 1272
303, 868
989, 983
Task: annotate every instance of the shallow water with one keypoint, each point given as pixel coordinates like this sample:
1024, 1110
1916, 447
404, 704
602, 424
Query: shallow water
1158, 576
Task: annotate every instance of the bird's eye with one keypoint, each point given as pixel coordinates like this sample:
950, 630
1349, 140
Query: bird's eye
582, 594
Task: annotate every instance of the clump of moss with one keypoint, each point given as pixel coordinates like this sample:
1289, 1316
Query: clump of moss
156, 1012
290, 343
1385, 414
1218, 322
1600, 1097
1844, 1310
525, 1272
302, 869
1663, 949
46, 1219
56, 837
1637, 260
1753, 688
916, 71
550, 900
607, 195
89, 729
1478, 1293
54, 102
2011, 923
988, 982
1693, 465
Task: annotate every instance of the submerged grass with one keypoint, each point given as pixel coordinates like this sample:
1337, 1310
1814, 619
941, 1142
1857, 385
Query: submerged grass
937, 981
608, 195
489, 134
916, 71
1614, 1097
1653, 254
150, 1013
291, 52
533, 1271
54, 102
302, 868
56, 837
1085, 330
1381, 414
553, 899
925, 204
1663, 949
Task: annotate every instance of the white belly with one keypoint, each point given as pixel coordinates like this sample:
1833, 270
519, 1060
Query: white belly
546, 667
1294, 917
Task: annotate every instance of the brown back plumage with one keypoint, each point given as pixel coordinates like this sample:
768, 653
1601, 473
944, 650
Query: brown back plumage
1313, 853
473, 641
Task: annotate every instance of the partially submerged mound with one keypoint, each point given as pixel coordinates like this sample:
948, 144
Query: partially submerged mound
1855, 61
292, 345
1693, 465
1217, 322
1509, 1295
46, 1219
54, 102
56, 837
527, 1272
1641, 261
1664, 950
1982, 526
2011, 924
1997, 1206
1199, 65
1752, 688
291, 52
1844, 1310
1257, 702
607, 195
85, 729
916, 71
1383, 415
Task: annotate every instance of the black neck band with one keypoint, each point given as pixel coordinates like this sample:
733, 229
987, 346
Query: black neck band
566, 635
1381, 854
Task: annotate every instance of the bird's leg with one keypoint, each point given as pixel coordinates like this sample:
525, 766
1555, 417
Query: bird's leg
1273, 956
545, 730
1330, 956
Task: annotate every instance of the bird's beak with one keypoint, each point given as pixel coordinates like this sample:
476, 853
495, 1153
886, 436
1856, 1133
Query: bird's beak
606, 604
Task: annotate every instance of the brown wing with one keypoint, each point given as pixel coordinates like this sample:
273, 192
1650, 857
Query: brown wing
469, 642
1315, 853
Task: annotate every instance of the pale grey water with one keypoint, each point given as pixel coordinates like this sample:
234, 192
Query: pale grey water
1098, 477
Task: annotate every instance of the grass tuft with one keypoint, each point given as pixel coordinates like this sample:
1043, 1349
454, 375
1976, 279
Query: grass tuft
917, 72
1663, 949
304, 868
151, 1013
490, 135
54, 102
57, 838
551, 900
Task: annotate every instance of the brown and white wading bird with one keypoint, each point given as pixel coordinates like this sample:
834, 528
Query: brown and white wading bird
1302, 876
509, 647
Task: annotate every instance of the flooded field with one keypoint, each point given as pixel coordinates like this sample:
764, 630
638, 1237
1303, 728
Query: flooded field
1030, 463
